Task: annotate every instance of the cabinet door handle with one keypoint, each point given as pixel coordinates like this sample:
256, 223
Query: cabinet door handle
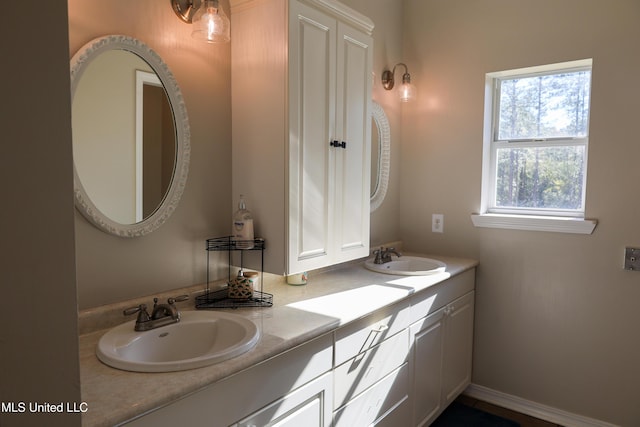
338, 144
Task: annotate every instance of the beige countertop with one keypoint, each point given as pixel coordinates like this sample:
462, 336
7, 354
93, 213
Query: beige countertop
299, 313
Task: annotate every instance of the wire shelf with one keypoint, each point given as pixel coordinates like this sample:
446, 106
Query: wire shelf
220, 298
229, 243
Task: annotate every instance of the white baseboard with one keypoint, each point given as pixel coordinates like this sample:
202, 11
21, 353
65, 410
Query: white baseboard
533, 409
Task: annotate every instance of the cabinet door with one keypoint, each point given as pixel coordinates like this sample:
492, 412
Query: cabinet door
312, 56
309, 406
458, 347
353, 126
428, 336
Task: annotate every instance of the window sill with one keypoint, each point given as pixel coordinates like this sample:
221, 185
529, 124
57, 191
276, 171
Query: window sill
535, 223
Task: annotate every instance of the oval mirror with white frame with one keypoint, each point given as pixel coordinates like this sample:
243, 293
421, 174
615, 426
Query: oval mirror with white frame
380, 155
131, 136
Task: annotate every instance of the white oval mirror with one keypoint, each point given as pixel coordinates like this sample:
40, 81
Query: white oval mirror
131, 136
380, 155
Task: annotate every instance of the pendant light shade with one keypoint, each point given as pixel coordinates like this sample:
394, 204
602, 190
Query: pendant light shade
210, 23
406, 91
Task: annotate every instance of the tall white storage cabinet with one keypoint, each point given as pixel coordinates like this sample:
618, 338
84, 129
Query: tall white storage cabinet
301, 93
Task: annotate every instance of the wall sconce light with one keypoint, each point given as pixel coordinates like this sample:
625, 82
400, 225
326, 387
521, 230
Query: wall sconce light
406, 91
209, 21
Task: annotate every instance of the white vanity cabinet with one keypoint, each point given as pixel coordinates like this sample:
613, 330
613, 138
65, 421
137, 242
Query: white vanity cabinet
399, 365
441, 349
301, 125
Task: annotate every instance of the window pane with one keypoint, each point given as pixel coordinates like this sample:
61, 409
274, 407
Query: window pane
546, 106
540, 177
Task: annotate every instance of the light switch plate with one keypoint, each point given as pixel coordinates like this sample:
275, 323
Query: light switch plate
632, 259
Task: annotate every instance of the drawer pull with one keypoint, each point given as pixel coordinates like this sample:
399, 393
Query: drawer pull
380, 328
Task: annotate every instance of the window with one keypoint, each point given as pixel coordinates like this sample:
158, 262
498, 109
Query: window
536, 138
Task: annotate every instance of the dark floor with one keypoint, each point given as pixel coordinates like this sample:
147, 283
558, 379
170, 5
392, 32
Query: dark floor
522, 419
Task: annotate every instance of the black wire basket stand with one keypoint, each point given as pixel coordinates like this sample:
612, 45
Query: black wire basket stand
220, 298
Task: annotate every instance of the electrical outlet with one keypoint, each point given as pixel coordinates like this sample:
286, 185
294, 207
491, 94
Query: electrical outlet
632, 259
437, 223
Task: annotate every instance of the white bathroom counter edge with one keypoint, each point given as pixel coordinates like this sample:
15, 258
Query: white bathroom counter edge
114, 396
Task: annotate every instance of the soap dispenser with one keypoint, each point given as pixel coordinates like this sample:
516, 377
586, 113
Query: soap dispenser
243, 226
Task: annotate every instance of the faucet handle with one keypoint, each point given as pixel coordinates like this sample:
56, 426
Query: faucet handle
178, 299
378, 253
133, 310
143, 316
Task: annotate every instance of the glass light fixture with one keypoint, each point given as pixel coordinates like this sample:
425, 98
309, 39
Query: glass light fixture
406, 91
210, 24
209, 21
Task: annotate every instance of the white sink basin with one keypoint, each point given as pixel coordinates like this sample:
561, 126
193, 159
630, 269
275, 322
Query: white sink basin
199, 339
408, 266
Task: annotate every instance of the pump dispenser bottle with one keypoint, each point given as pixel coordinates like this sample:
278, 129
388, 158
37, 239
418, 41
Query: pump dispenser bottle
243, 226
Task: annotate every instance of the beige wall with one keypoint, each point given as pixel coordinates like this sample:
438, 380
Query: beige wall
556, 315
112, 268
38, 339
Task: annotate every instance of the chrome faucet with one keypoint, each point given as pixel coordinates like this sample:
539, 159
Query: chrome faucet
161, 315
383, 255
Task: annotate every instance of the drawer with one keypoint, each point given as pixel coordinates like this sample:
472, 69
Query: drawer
357, 374
431, 299
361, 335
399, 416
375, 403
310, 405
